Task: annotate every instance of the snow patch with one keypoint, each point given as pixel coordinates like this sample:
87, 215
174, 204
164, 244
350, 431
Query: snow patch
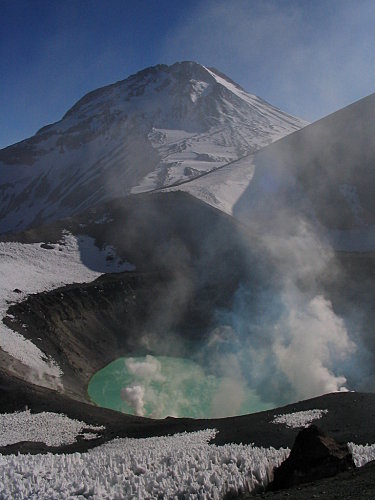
362, 454
299, 418
52, 429
180, 466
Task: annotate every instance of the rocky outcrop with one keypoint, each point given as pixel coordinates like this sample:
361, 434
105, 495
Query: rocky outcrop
314, 456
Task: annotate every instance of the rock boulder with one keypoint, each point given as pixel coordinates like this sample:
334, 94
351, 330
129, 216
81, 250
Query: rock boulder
314, 456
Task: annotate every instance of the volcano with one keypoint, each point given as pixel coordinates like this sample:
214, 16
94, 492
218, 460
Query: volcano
162, 126
174, 216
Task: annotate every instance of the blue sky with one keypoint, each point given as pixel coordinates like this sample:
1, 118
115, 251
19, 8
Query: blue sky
308, 57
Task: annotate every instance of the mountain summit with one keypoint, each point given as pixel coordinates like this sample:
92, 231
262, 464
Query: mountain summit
159, 127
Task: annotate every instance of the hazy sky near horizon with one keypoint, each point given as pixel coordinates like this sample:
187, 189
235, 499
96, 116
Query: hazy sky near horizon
308, 57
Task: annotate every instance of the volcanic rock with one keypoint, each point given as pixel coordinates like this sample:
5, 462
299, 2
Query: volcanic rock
314, 456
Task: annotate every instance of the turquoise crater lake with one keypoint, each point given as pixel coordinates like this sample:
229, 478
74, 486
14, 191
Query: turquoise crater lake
161, 386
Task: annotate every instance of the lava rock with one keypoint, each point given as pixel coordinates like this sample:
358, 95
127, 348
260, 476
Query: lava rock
314, 456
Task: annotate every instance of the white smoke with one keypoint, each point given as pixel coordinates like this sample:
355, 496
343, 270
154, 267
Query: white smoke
297, 354
229, 396
144, 372
134, 396
280, 342
287, 340
310, 340
308, 345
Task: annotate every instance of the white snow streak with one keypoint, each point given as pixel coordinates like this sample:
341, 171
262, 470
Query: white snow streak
223, 187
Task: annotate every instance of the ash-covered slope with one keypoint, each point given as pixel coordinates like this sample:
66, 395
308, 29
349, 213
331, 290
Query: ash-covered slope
323, 174
160, 126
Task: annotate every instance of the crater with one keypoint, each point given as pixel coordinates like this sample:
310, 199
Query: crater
204, 305
162, 386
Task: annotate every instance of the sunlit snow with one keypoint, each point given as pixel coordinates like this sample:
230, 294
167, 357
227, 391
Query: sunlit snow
224, 187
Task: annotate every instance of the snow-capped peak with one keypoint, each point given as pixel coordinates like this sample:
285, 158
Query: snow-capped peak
162, 126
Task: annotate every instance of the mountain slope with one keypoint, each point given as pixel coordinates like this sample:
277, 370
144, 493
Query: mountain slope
324, 174
164, 125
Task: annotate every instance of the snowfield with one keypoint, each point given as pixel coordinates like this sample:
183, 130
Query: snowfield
179, 466
299, 418
32, 268
53, 429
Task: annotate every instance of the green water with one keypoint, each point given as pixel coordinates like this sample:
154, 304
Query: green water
161, 386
